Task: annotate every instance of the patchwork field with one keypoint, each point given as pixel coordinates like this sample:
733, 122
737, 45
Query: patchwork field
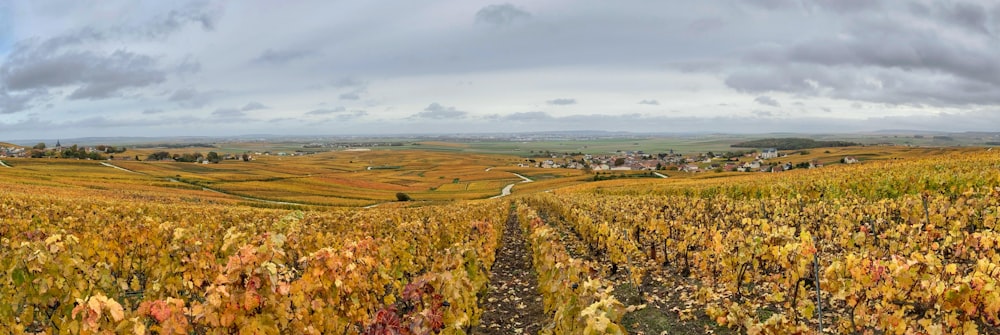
342, 178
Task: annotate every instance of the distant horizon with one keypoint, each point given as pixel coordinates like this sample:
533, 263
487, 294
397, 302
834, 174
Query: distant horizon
482, 135
123, 68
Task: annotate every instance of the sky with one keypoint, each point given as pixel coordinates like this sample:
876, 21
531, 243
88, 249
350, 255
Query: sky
73, 68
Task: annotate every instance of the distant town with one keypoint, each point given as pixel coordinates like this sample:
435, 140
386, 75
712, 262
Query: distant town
766, 160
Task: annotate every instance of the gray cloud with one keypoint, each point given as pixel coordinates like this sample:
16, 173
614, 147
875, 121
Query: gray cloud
653, 102
438, 112
893, 58
160, 26
102, 122
151, 111
846, 6
228, 113
352, 115
971, 16
192, 98
767, 101
348, 82
187, 66
502, 14
356, 85
13, 103
69, 60
772, 4
283, 56
326, 111
32, 122
706, 24
98, 76
253, 105
527, 116
561, 102
898, 59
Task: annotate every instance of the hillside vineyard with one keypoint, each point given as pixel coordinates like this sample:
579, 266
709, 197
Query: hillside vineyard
899, 247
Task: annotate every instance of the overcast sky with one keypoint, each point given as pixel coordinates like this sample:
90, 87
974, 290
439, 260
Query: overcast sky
153, 68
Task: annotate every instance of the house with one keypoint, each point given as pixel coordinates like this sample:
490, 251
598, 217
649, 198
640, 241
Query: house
849, 160
769, 153
751, 165
689, 168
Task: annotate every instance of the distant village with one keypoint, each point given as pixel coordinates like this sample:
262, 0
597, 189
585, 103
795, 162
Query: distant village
40, 150
107, 152
767, 160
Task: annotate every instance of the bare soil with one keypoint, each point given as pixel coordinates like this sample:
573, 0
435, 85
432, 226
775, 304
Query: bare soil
513, 304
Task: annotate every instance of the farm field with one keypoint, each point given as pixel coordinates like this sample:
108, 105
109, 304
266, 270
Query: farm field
904, 242
326, 179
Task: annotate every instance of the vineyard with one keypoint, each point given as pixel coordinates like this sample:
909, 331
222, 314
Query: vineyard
897, 246
891, 247
94, 267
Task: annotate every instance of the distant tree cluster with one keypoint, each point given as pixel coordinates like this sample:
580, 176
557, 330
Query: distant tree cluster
196, 157
176, 145
81, 153
158, 156
41, 150
792, 144
110, 149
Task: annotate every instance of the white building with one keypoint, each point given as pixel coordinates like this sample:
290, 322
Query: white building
769, 153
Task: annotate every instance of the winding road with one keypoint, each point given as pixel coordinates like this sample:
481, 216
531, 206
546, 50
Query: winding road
4, 164
506, 189
118, 167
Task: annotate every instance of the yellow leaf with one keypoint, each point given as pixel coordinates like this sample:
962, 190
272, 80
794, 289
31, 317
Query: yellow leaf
138, 328
970, 328
117, 313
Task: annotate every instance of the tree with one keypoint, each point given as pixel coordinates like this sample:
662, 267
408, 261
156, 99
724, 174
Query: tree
403, 197
39, 146
619, 161
159, 155
213, 157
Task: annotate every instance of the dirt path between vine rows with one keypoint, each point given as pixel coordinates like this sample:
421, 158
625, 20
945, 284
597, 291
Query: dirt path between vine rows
513, 304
